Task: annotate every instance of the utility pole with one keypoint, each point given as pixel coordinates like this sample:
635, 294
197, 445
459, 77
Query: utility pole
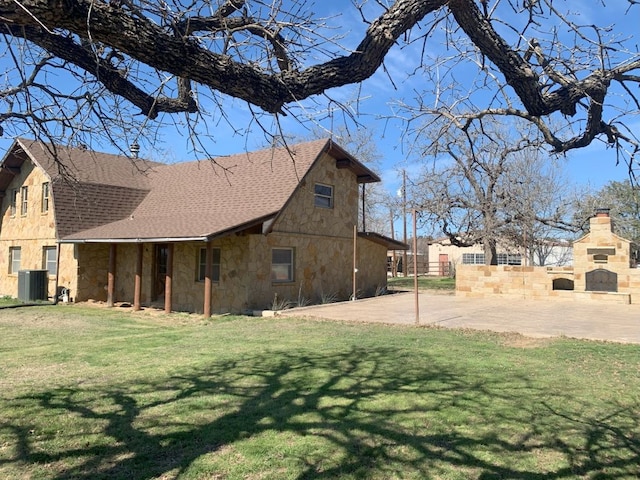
405, 266
394, 260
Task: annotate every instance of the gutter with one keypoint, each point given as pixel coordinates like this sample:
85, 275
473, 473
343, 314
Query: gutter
137, 240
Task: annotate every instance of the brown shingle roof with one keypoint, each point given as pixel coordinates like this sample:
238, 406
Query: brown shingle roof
208, 198
103, 197
88, 188
79, 165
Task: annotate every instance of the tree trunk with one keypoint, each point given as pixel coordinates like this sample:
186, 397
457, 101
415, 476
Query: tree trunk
490, 252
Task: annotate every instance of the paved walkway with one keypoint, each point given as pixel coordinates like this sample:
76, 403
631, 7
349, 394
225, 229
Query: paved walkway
532, 318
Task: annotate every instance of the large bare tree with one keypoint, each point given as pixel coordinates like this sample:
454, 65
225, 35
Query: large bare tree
122, 67
490, 186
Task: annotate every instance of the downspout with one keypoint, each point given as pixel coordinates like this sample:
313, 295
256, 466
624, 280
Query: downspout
55, 293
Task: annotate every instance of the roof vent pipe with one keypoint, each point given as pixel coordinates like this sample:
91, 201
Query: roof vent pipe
134, 148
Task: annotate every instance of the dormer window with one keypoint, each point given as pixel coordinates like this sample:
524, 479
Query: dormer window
323, 195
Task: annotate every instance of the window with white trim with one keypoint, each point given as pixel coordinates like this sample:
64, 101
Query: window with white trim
215, 265
13, 208
503, 259
50, 259
282, 265
45, 197
15, 253
473, 258
323, 195
24, 197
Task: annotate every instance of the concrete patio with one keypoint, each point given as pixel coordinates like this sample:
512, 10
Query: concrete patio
533, 318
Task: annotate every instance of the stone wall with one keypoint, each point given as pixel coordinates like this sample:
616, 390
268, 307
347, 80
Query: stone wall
323, 267
510, 281
601, 248
302, 216
372, 271
31, 232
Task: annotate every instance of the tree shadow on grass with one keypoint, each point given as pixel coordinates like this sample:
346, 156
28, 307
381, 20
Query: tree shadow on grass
370, 413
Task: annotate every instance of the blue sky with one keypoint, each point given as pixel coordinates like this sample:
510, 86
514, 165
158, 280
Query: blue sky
592, 166
595, 165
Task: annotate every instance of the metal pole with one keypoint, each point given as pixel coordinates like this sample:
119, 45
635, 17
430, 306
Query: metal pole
394, 265
405, 267
355, 262
415, 266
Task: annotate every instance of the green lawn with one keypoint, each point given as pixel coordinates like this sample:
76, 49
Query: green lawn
430, 283
8, 301
89, 393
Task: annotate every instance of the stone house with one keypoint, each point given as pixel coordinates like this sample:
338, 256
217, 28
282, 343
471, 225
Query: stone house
221, 235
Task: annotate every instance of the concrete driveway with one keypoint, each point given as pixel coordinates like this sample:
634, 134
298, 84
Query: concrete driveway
532, 318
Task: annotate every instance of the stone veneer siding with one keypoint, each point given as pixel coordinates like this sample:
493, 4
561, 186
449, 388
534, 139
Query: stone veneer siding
31, 232
322, 239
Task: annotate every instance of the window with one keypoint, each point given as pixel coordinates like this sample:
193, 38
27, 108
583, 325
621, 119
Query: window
509, 259
473, 258
202, 265
14, 259
282, 265
45, 197
50, 259
14, 202
503, 259
323, 196
24, 195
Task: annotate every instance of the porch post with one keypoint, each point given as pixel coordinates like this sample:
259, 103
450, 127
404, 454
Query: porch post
111, 278
138, 281
168, 279
208, 273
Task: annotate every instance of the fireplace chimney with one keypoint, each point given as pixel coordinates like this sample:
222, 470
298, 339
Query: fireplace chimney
602, 212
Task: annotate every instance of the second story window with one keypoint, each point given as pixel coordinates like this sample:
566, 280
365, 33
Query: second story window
24, 197
323, 195
45, 197
13, 208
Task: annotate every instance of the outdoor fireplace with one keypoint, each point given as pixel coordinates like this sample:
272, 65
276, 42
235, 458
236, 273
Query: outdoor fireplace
601, 280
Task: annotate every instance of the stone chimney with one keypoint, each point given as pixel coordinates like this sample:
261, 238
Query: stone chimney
600, 223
